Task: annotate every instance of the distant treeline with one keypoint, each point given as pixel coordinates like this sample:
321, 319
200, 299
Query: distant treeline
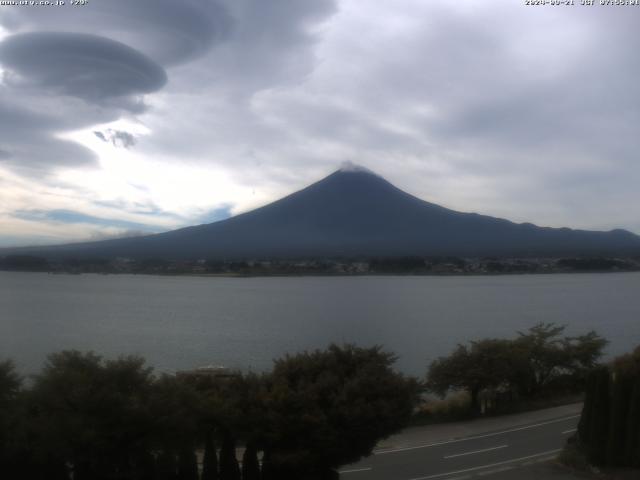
334, 266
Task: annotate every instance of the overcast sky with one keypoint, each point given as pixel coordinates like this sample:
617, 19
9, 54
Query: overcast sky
122, 116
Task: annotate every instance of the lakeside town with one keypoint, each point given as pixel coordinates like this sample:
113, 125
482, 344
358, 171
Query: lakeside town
332, 266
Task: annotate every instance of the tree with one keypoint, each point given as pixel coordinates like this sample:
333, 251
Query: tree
229, 468
632, 440
92, 414
544, 350
628, 366
621, 389
528, 364
250, 464
628, 363
167, 467
550, 356
583, 353
10, 382
489, 363
187, 464
609, 428
329, 408
267, 470
599, 425
11, 418
210, 459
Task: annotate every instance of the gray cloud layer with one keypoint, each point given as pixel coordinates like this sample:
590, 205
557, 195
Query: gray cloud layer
79, 65
167, 31
519, 112
64, 81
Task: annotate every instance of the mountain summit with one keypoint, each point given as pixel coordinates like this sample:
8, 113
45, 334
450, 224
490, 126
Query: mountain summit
354, 212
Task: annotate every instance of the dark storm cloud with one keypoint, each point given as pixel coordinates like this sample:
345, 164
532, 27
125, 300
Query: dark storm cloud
258, 46
66, 71
272, 46
57, 82
166, 30
171, 31
516, 112
79, 65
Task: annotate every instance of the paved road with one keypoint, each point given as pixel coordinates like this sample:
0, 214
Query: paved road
520, 440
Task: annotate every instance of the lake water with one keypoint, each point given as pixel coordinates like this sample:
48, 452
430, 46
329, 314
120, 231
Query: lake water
185, 322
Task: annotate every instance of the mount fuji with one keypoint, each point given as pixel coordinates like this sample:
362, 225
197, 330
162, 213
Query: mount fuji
352, 213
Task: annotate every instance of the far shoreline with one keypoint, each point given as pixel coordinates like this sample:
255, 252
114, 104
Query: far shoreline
328, 275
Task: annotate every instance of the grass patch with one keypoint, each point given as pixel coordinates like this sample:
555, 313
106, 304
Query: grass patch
454, 407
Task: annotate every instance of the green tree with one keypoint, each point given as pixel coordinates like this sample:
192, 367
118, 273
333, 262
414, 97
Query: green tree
267, 470
628, 363
583, 354
609, 428
489, 363
632, 440
550, 357
167, 466
621, 389
543, 348
329, 408
250, 464
229, 468
210, 459
176, 407
10, 382
187, 464
12, 455
598, 427
92, 414
628, 366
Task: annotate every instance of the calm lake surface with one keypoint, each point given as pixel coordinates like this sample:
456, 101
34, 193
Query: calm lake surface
185, 322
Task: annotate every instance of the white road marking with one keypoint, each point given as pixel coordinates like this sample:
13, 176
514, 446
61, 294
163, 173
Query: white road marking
494, 471
543, 459
355, 470
476, 451
482, 467
571, 430
466, 439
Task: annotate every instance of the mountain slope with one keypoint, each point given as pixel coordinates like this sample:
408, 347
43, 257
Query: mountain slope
355, 213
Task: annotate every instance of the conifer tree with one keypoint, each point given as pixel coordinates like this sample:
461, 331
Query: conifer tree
250, 465
621, 388
266, 471
599, 424
187, 465
229, 468
210, 460
632, 440
584, 425
166, 466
